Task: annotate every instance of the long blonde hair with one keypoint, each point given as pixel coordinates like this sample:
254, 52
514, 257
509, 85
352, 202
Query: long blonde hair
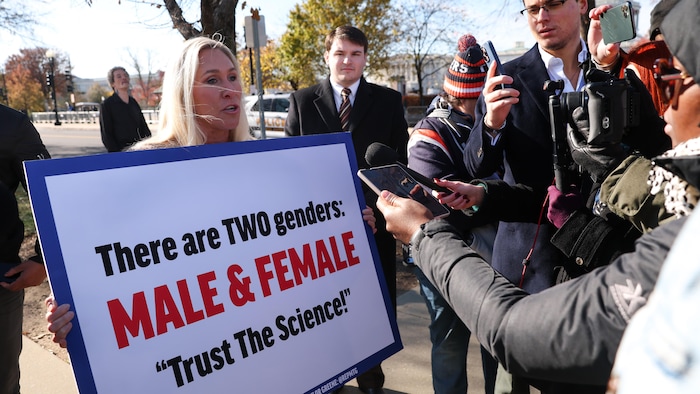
178, 126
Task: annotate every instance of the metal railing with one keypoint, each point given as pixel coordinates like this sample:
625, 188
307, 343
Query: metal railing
151, 116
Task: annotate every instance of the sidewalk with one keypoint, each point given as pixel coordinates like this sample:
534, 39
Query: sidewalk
407, 372
80, 126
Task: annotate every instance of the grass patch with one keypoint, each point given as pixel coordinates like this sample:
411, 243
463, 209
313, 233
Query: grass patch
25, 211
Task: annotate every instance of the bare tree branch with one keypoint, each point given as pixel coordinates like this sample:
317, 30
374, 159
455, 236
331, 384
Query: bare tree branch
425, 26
186, 29
15, 19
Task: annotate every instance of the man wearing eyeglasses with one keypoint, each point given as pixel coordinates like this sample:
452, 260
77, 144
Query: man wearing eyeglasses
570, 332
513, 129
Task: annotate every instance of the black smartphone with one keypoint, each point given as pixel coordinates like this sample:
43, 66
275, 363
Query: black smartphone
492, 60
617, 23
4, 267
396, 180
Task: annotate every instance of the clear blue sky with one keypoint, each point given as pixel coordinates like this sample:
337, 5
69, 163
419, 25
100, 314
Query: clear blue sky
99, 37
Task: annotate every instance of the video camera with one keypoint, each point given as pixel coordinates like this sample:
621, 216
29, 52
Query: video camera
611, 106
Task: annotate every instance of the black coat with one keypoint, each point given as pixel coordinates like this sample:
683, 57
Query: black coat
19, 141
377, 115
121, 124
11, 228
525, 151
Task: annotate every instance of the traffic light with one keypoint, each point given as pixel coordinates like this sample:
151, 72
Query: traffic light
49, 80
69, 81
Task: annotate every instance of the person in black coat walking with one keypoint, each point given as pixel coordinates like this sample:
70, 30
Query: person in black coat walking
121, 121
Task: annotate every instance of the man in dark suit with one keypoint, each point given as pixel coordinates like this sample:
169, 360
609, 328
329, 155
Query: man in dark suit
376, 114
513, 128
19, 141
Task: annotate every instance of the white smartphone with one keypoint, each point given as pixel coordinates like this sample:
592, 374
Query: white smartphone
396, 180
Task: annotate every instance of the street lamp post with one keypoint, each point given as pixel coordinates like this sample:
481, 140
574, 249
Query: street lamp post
51, 55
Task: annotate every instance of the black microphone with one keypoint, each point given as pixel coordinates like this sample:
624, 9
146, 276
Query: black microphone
378, 154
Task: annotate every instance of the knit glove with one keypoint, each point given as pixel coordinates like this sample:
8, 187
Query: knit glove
597, 160
562, 205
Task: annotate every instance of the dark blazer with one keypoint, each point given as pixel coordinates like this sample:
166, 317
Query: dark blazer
11, 229
525, 149
19, 141
377, 116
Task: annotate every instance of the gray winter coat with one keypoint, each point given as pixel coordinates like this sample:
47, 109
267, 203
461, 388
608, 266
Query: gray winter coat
567, 333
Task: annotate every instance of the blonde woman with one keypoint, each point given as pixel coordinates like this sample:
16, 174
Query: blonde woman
202, 98
201, 105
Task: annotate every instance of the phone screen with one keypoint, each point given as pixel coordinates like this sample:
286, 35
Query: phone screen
394, 179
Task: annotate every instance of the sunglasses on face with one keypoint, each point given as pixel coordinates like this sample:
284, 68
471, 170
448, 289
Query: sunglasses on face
669, 80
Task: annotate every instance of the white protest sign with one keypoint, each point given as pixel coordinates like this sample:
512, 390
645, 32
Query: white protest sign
240, 267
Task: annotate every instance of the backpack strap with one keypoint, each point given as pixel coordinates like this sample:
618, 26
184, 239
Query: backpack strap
455, 143
460, 131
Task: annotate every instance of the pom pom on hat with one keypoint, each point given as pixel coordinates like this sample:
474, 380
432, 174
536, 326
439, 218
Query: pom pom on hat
465, 42
467, 73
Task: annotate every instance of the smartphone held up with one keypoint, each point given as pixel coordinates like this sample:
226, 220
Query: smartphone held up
492, 60
395, 179
617, 23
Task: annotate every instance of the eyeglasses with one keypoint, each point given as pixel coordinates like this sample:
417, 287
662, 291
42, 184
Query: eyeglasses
552, 6
667, 77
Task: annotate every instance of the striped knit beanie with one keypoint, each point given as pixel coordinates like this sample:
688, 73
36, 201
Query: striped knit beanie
467, 73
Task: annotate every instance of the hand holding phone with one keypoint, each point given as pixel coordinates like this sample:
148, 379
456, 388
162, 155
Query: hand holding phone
617, 24
4, 267
378, 155
396, 180
492, 60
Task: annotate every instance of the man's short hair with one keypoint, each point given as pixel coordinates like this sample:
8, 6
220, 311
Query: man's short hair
349, 33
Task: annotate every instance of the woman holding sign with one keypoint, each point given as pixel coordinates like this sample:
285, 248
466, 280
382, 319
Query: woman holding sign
201, 105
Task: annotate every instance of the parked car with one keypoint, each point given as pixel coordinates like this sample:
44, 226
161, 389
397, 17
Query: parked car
275, 108
85, 106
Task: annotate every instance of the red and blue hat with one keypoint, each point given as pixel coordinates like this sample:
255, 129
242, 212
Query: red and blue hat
467, 73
